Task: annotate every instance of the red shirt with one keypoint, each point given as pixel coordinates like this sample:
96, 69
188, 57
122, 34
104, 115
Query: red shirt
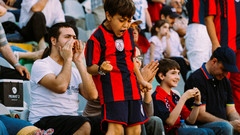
164, 104
227, 21
154, 9
121, 83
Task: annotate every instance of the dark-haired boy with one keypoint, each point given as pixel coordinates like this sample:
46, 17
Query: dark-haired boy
169, 106
109, 56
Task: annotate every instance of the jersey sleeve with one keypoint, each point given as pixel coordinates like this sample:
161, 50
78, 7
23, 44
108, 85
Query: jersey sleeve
160, 108
92, 51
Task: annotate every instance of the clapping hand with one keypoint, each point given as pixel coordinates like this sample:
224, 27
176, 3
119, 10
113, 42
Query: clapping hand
149, 71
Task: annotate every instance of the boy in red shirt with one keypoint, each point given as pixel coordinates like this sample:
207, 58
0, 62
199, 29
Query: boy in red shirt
109, 56
170, 107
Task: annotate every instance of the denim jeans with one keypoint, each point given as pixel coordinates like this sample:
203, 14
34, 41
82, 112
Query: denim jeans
195, 131
154, 126
3, 129
13, 125
219, 127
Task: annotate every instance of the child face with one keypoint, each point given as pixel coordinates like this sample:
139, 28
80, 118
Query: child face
172, 78
119, 24
164, 29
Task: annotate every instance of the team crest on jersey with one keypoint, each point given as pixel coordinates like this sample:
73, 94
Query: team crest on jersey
119, 44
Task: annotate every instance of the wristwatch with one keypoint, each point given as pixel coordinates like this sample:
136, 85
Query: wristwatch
100, 71
195, 104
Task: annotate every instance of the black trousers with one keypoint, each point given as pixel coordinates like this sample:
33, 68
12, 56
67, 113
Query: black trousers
36, 28
8, 73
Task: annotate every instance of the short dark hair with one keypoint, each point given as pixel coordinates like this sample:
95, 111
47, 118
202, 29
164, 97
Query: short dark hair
54, 32
157, 24
164, 66
124, 8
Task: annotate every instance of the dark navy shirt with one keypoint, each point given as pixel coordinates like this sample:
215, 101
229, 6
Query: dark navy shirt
215, 94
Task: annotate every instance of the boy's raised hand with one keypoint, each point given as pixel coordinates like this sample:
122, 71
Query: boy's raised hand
149, 71
145, 86
106, 67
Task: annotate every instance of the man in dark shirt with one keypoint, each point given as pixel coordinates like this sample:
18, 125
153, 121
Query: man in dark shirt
210, 79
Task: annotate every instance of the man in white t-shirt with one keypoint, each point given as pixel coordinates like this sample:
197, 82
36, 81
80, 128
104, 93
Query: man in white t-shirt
55, 84
36, 16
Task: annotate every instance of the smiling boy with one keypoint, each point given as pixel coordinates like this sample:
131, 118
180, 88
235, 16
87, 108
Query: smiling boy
169, 106
109, 56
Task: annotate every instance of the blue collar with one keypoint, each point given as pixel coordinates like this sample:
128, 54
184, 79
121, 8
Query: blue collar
205, 72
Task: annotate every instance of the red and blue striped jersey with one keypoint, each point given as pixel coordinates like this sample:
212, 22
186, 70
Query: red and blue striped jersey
227, 21
121, 83
195, 10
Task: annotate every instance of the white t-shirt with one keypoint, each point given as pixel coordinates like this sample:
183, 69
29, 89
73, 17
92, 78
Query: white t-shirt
44, 102
53, 12
141, 6
175, 43
160, 47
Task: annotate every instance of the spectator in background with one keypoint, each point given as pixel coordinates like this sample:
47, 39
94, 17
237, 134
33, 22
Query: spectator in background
12, 6
142, 14
154, 9
7, 16
223, 26
36, 16
217, 110
198, 43
60, 83
6, 51
181, 22
169, 13
160, 48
